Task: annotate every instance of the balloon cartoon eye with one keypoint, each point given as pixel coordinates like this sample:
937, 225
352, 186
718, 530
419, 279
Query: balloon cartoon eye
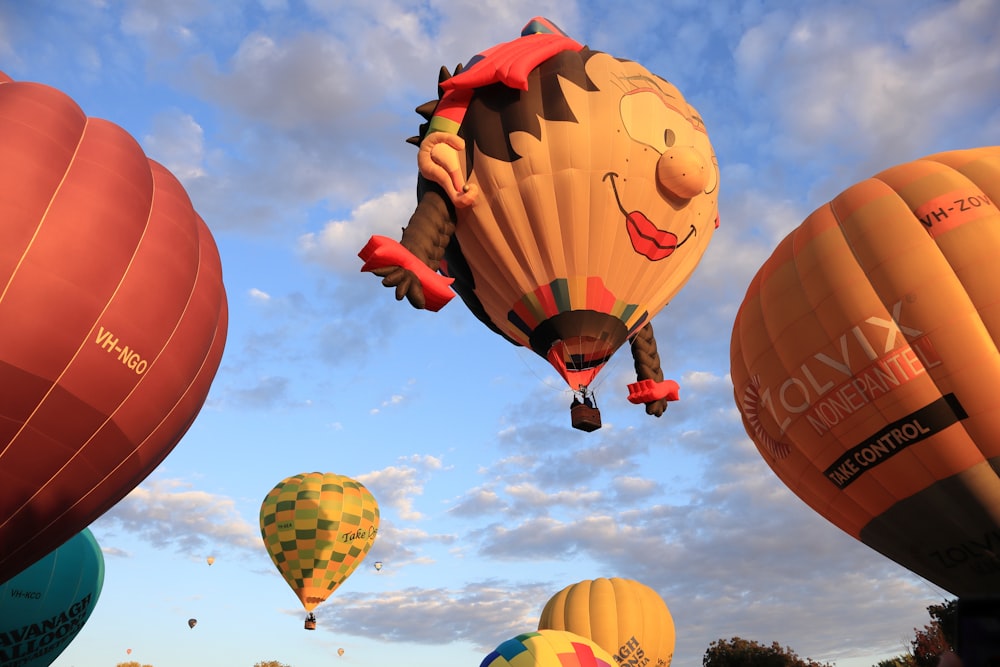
651, 119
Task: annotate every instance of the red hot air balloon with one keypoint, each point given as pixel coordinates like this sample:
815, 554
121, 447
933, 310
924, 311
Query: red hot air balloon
113, 318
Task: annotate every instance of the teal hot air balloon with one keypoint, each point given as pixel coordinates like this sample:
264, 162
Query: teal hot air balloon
43, 608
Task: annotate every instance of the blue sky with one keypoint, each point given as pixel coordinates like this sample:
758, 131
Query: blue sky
286, 121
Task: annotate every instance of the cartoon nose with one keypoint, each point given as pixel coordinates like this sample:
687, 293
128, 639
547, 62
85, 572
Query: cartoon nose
682, 171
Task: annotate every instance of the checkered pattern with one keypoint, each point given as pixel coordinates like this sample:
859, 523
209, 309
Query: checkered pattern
548, 648
318, 528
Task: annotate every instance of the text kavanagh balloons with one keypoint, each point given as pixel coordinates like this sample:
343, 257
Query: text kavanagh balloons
317, 528
626, 618
865, 365
43, 608
112, 318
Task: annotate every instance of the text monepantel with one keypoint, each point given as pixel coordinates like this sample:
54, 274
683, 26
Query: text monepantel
873, 358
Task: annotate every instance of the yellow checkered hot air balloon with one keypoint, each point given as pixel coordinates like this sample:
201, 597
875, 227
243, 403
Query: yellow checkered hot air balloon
317, 528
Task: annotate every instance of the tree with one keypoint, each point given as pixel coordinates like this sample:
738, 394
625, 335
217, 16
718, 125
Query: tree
738, 652
928, 644
132, 663
270, 663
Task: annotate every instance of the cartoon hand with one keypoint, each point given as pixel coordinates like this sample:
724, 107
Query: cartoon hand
440, 160
405, 282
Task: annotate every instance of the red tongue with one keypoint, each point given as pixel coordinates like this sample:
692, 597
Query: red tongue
647, 240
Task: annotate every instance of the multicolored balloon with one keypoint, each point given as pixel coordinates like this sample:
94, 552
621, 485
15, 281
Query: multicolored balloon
548, 648
113, 318
43, 608
865, 365
317, 528
624, 617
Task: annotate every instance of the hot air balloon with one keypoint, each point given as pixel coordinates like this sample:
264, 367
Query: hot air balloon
548, 648
192, 622
317, 528
210, 560
340, 651
626, 618
567, 196
378, 566
54, 595
128, 651
865, 365
112, 318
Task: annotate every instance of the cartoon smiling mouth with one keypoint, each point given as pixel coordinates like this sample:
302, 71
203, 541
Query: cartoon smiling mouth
647, 240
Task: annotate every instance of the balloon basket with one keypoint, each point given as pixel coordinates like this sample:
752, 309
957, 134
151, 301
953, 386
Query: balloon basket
310, 624
585, 418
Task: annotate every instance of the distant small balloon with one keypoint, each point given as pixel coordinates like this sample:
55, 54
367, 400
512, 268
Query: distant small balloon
340, 651
210, 560
128, 651
192, 622
378, 566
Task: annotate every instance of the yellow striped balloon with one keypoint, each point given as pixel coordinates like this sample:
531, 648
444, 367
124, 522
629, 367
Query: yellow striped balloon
624, 617
317, 528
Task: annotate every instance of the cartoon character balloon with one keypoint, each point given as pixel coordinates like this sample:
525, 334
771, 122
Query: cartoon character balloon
626, 618
317, 528
44, 607
865, 365
567, 195
548, 648
112, 318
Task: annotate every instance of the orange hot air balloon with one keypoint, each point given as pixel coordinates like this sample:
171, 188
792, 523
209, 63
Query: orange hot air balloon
210, 560
112, 318
567, 195
340, 651
865, 365
626, 618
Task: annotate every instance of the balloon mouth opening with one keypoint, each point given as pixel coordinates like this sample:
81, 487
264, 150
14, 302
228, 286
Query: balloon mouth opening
578, 343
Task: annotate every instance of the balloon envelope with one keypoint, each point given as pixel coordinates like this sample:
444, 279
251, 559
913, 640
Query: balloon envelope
43, 608
624, 617
112, 318
598, 191
864, 363
317, 528
340, 651
548, 648
192, 622
210, 560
